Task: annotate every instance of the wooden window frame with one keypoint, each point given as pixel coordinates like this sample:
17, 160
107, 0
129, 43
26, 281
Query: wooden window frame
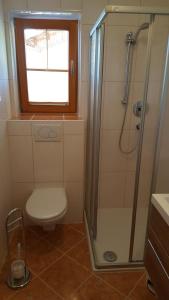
72, 27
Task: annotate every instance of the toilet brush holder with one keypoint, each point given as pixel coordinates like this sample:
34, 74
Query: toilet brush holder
18, 273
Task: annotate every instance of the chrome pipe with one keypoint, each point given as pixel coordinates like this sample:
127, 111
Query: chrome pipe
129, 58
97, 126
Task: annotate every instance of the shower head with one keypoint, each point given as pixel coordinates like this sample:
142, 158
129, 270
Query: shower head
142, 27
131, 37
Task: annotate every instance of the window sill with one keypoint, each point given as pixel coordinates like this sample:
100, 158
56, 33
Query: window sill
24, 116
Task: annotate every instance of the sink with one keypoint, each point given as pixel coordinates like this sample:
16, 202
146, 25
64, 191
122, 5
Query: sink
161, 203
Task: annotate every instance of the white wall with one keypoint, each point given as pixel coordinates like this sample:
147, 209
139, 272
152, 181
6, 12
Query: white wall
4, 154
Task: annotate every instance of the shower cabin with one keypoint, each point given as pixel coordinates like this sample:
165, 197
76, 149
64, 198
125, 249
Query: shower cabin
128, 95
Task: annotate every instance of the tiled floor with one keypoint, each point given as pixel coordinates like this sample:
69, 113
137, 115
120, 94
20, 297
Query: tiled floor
61, 270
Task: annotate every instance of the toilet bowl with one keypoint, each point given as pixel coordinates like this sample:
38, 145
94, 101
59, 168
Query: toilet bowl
46, 206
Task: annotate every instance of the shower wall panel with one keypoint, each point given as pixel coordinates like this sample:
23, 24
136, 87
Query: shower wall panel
117, 170
158, 54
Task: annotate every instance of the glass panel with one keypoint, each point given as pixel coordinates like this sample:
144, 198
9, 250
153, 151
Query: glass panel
47, 86
47, 49
35, 48
117, 167
159, 44
116, 172
89, 152
58, 49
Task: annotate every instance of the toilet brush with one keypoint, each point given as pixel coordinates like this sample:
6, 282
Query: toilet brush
19, 274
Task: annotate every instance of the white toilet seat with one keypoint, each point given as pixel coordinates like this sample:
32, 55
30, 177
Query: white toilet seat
47, 205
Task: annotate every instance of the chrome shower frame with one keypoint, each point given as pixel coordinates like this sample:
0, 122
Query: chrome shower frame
152, 12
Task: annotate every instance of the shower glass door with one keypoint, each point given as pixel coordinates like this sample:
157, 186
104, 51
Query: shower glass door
152, 119
94, 123
119, 174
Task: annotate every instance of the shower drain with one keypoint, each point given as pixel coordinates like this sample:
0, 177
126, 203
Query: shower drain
110, 256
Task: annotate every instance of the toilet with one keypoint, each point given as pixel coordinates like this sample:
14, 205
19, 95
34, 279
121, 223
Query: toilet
46, 206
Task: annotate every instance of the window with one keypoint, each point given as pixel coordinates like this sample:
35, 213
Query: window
47, 64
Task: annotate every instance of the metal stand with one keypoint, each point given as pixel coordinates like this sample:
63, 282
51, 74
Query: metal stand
15, 229
19, 283
150, 287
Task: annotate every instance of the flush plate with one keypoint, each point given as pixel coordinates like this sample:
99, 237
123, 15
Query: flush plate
47, 132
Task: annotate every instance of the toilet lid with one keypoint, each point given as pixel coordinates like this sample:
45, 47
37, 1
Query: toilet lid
46, 203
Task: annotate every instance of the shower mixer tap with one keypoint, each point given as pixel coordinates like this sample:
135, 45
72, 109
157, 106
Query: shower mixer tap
138, 108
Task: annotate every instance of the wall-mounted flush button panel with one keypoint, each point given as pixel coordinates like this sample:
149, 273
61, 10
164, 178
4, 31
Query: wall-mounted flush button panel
47, 132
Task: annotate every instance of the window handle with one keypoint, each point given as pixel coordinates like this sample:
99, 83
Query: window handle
72, 67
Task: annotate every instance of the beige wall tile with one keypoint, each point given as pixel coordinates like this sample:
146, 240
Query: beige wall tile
121, 19
115, 52
4, 100
48, 184
73, 157
74, 127
140, 56
19, 127
113, 109
10, 5
133, 145
74, 192
91, 10
71, 4
148, 148
3, 56
161, 3
85, 52
48, 161
111, 159
83, 100
159, 45
129, 189
21, 192
112, 190
21, 158
144, 189
43, 5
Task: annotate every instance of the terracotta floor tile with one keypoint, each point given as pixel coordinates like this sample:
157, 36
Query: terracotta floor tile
38, 230
141, 292
95, 289
65, 276
31, 238
64, 237
5, 291
70, 275
79, 227
36, 290
42, 255
122, 281
17, 237
81, 254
